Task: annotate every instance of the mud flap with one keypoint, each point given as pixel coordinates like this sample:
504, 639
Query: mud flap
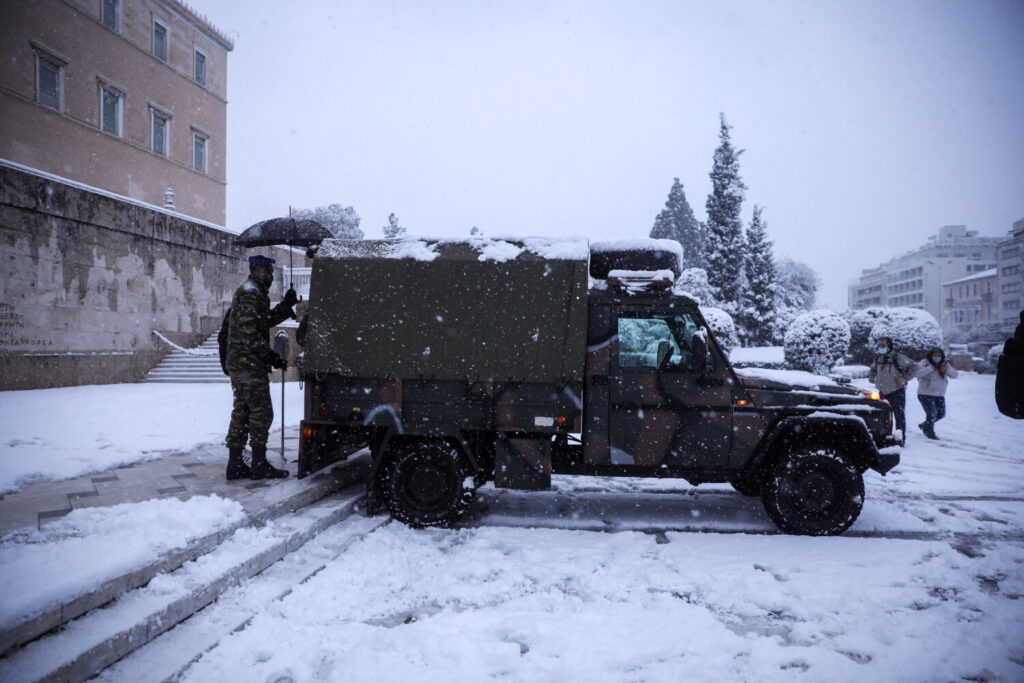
522, 463
321, 445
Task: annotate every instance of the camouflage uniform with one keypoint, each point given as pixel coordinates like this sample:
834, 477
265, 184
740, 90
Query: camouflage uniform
248, 353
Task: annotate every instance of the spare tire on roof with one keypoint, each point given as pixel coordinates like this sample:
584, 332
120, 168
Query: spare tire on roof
635, 254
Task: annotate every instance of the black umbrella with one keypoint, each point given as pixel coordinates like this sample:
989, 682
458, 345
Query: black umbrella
287, 230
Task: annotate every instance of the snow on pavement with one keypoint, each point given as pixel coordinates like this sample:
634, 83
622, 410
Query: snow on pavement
68, 432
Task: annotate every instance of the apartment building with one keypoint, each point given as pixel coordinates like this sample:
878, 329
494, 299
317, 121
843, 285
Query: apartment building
916, 278
971, 301
1010, 265
126, 96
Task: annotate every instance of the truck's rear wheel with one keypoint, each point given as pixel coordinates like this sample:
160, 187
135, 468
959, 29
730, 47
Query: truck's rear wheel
429, 484
815, 492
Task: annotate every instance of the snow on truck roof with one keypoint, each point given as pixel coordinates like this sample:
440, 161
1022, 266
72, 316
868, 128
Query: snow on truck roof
637, 244
419, 248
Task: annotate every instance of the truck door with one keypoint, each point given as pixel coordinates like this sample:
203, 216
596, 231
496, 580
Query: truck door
669, 402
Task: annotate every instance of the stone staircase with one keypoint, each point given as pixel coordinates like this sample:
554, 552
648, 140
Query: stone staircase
198, 365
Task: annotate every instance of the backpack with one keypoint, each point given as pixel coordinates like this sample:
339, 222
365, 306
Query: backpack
222, 341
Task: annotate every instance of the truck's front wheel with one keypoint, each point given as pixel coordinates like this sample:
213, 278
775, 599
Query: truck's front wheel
815, 492
429, 484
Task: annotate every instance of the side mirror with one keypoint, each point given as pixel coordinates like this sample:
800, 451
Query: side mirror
664, 353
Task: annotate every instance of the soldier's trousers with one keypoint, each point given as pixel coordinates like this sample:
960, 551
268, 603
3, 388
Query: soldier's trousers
252, 413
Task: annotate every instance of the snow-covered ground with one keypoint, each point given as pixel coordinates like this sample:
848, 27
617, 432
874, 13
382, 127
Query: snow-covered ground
927, 585
64, 433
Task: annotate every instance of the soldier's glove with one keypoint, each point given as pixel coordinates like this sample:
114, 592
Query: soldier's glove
274, 360
290, 298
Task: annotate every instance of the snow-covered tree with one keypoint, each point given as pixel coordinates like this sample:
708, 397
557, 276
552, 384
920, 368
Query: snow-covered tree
816, 341
724, 243
722, 327
342, 221
796, 289
913, 331
759, 296
861, 321
694, 282
393, 229
677, 222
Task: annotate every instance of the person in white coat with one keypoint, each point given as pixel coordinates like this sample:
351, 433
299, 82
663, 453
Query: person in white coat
933, 375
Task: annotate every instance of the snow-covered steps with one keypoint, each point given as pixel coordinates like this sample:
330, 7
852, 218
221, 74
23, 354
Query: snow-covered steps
86, 646
201, 364
71, 602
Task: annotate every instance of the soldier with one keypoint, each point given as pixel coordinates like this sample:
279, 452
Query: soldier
249, 360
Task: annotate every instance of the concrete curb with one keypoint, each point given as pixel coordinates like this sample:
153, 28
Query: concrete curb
37, 624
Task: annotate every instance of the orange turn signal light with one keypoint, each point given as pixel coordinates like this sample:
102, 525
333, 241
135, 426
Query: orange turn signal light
308, 432
560, 419
742, 401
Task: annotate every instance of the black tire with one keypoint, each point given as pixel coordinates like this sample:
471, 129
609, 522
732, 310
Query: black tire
429, 483
748, 487
813, 492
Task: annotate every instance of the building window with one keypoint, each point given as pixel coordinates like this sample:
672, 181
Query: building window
200, 67
1011, 270
161, 130
199, 147
160, 40
111, 104
49, 82
111, 14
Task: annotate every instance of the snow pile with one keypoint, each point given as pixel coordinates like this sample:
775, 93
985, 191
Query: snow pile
913, 331
816, 341
415, 248
758, 357
68, 432
796, 378
421, 248
636, 244
722, 327
555, 248
89, 546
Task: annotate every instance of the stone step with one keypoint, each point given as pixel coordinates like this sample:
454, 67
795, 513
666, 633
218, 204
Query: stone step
176, 380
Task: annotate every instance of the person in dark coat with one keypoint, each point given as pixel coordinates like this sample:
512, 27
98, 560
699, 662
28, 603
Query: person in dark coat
249, 359
1010, 375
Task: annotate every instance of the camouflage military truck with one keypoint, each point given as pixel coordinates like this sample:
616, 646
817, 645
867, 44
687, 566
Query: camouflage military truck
505, 361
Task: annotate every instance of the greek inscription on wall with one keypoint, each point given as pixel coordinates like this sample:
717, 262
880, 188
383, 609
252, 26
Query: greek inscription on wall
12, 336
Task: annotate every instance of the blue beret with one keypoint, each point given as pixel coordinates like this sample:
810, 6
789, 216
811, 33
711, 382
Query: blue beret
260, 261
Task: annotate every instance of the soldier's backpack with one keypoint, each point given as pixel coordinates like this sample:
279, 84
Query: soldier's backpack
222, 341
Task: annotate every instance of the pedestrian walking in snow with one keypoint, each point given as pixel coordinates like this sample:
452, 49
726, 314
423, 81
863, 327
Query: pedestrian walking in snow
933, 375
1010, 375
249, 360
890, 372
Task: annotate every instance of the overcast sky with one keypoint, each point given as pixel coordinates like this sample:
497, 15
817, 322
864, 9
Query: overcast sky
866, 125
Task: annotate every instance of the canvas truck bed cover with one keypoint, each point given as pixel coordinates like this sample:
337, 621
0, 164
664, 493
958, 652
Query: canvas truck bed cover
478, 309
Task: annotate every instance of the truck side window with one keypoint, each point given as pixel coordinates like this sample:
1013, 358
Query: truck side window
640, 338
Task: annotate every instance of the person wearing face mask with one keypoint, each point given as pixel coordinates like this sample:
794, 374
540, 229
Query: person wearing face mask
249, 358
932, 379
890, 372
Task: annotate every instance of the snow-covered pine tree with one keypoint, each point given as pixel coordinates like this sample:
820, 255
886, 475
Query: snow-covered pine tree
393, 229
759, 294
677, 222
724, 242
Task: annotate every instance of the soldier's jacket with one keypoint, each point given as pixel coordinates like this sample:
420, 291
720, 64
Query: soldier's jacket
249, 328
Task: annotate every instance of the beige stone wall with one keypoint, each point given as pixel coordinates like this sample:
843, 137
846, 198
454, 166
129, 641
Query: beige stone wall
87, 278
70, 143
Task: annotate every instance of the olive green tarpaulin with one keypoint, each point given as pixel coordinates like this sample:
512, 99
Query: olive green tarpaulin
478, 310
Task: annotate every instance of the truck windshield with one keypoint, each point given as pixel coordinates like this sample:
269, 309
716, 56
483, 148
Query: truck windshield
641, 336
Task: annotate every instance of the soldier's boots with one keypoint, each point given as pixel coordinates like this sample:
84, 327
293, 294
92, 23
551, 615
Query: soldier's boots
261, 469
237, 469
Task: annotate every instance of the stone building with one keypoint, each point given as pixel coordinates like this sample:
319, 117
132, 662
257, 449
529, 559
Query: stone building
88, 277
128, 96
1011, 276
916, 279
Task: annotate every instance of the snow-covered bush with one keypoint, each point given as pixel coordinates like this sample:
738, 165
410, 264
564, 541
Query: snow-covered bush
862, 351
722, 327
694, 282
816, 341
914, 332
